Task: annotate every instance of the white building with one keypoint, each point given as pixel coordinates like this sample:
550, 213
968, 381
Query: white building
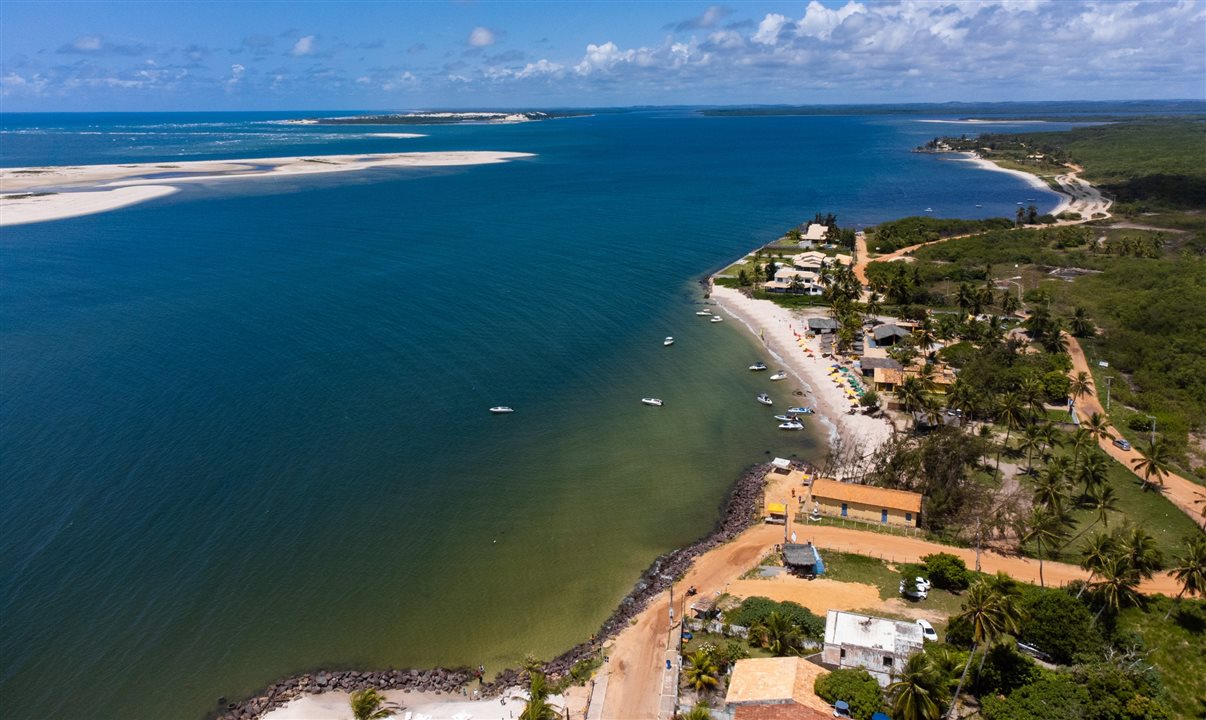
878, 645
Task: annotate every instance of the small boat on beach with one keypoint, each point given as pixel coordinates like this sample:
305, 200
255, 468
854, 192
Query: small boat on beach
501, 410
781, 375
765, 399
704, 313
802, 410
668, 341
791, 425
655, 402
716, 318
788, 417
758, 366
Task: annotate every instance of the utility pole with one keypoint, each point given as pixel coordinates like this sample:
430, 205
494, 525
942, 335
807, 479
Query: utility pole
1152, 438
1109, 379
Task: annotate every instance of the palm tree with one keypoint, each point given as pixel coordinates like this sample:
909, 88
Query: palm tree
1081, 441
702, 673
963, 298
1093, 557
778, 634
1051, 488
1190, 569
1032, 392
1009, 302
701, 711
918, 693
537, 706
369, 704
1140, 551
1080, 324
1080, 385
1009, 411
1116, 589
1032, 439
991, 613
1047, 530
911, 395
1156, 461
1099, 427
1051, 436
1092, 472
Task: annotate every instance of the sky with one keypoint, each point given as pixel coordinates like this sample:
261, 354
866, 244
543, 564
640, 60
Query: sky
247, 55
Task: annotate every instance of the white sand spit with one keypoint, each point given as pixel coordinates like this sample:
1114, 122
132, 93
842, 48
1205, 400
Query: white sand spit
166, 177
32, 208
334, 706
778, 325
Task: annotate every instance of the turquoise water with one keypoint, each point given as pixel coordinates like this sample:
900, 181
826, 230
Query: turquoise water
243, 429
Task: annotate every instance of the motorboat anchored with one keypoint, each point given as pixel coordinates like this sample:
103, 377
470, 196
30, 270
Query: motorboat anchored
801, 410
791, 425
758, 366
668, 341
788, 417
765, 399
781, 375
652, 401
716, 318
501, 410
703, 313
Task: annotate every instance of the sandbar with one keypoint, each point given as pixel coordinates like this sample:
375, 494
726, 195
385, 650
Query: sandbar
85, 189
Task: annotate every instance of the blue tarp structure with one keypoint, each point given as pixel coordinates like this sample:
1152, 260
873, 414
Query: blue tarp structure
880, 716
820, 566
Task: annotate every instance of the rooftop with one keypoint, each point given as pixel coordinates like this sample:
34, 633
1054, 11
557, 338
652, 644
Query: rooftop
851, 629
822, 323
872, 363
776, 680
867, 495
816, 232
789, 711
886, 331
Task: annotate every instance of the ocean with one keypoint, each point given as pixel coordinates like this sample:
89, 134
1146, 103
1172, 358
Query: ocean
244, 429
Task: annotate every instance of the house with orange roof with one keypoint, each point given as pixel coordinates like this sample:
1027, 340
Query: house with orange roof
865, 503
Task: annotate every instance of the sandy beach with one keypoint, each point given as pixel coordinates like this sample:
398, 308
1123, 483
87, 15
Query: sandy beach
419, 706
85, 189
1033, 180
777, 326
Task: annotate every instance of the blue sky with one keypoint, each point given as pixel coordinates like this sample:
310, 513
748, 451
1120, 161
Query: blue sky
103, 56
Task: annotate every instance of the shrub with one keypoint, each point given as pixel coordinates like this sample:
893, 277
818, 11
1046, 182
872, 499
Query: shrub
758, 609
1059, 625
1005, 670
856, 687
947, 571
1052, 696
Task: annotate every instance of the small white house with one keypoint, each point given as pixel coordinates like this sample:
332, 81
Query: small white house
881, 646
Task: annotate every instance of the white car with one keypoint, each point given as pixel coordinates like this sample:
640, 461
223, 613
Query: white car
923, 584
927, 630
914, 591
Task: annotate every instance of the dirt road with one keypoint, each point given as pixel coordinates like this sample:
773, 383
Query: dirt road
1187, 495
636, 657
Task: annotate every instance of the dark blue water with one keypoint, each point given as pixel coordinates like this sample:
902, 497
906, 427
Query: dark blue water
243, 428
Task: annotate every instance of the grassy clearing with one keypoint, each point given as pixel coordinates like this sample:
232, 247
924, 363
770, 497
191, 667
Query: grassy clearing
1176, 647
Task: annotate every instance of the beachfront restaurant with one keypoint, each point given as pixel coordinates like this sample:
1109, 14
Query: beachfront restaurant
864, 503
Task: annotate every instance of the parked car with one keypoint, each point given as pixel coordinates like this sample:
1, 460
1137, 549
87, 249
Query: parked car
1122, 444
923, 583
914, 591
1034, 652
927, 630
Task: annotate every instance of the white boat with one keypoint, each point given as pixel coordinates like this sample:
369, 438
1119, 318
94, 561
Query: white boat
668, 341
789, 417
703, 313
758, 366
791, 425
652, 401
801, 410
765, 399
929, 209
501, 410
717, 318
781, 375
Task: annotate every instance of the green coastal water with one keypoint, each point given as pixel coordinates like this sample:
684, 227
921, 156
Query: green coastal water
244, 429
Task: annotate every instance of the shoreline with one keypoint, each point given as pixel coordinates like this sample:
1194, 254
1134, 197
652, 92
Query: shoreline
1036, 182
740, 512
777, 326
42, 194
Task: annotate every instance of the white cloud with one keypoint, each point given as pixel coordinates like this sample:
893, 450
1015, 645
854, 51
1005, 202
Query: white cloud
769, 29
481, 37
303, 46
236, 76
87, 43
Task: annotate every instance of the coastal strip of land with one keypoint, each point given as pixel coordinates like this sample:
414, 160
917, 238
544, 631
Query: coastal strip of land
783, 332
40, 194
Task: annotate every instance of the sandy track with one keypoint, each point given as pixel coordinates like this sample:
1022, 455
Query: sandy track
635, 663
1187, 495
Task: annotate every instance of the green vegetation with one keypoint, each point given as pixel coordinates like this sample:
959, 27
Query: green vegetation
1172, 638
895, 234
780, 627
855, 686
537, 706
369, 704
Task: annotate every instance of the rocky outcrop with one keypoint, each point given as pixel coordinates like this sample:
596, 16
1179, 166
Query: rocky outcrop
740, 512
